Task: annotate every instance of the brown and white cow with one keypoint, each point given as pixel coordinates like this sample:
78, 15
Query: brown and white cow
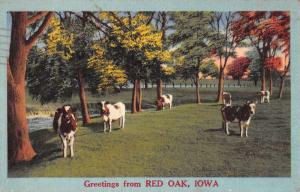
111, 113
65, 124
226, 98
240, 114
264, 96
167, 100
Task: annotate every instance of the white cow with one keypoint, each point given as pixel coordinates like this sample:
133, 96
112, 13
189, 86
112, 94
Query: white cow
167, 100
264, 95
111, 112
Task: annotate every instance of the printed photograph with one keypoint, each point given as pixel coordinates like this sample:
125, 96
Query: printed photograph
149, 94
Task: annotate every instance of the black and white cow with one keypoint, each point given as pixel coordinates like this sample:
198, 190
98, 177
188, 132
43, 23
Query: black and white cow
264, 96
240, 114
65, 124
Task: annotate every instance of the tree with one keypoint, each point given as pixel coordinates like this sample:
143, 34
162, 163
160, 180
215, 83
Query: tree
191, 35
238, 68
139, 45
209, 68
264, 30
254, 65
271, 64
224, 44
63, 64
19, 146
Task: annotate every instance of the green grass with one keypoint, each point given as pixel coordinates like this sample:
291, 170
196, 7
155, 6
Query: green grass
185, 141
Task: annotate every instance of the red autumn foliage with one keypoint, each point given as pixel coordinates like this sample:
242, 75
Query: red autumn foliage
273, 63
238, 67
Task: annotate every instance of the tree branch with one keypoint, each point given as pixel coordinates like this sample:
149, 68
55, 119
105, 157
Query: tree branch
36, 17
32, 39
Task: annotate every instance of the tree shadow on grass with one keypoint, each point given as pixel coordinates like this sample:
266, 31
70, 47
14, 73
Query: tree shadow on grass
47, 148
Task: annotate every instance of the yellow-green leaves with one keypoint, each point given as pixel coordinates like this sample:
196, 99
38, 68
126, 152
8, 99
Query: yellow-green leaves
59, 41
110, 74
167, 70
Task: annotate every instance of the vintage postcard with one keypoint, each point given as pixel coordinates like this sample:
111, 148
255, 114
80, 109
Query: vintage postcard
149, 95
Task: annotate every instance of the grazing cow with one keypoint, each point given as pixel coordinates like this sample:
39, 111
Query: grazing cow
240, 114
264, 95
111, 113
227, 99
159, 103
65, 124
167, 100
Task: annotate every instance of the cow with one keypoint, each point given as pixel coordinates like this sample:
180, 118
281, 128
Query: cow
111, 113
65, 124
159, 103
264, 95
240, 114
167, 100
226, 96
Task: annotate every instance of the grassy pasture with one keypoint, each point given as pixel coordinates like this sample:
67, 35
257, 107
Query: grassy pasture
185, 141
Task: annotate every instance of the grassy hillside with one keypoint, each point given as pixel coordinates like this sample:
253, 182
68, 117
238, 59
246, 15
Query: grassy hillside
185, 141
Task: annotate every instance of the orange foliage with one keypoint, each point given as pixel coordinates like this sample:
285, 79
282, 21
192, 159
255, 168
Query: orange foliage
273, 63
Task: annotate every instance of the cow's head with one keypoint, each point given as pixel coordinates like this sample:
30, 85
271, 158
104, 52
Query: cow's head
159, 103
69, 118
64, 119
104, 109
252, 105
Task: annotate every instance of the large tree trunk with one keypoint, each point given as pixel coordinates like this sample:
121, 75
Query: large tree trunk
158, 88
134, 96
220, 85
282, 78
270, 82
83, 100
19, 146
263, 78
198, 100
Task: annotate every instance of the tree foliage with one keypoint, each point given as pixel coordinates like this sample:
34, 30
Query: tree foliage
238, 67
192, 38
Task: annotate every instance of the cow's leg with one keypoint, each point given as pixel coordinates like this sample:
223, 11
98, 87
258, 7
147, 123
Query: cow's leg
227, 128
72, 145
170, 105
120, 121
110, 122
65, 147
104, 126
246, 126
62, 141
241, 128
123, 121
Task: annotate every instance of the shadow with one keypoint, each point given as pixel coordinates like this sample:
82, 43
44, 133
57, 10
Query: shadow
95, 126
233, 133
215, 130
98, 127
47, 146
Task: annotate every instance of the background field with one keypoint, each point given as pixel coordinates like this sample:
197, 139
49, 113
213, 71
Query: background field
185, 141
